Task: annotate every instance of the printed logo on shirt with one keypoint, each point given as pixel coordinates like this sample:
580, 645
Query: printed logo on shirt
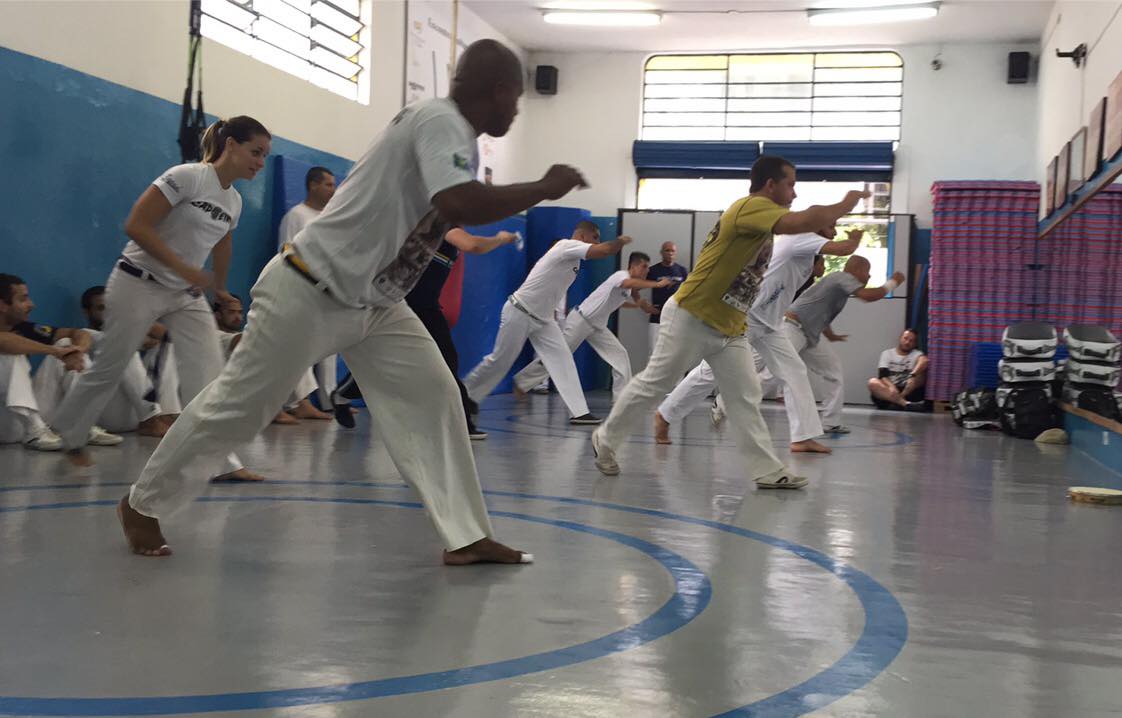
771, 297
459, 161
742, 292
170, 182
401, 275
216, 213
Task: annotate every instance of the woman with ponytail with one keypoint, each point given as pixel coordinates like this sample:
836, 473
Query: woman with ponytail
184, 216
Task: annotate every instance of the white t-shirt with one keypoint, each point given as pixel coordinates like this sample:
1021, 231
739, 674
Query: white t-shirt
547, 282
202, 213
899, 367
792, 260
379, 232
605, 299
294, 220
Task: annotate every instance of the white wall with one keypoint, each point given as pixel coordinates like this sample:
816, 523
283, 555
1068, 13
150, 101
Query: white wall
1067, 94
962, 122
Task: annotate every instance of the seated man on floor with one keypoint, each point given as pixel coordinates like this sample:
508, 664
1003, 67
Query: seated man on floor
20, 418
230, 317
901, 376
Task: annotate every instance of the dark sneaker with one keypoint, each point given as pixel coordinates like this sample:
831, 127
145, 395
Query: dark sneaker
586, 420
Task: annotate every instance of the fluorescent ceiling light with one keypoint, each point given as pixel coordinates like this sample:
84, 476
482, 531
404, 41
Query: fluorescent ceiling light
603, 18
870, 16
847, 4
605, 5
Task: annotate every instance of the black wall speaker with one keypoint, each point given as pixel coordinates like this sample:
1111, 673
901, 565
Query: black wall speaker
1018, 68
545, 79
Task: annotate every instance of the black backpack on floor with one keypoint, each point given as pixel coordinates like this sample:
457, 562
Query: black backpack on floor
1027, 410
975, 409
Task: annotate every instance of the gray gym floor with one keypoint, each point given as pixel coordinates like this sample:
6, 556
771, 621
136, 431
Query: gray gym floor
926, 571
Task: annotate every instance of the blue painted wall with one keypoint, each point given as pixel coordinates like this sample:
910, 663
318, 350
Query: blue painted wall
77, 151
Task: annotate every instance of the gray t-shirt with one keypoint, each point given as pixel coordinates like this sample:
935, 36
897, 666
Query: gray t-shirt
822, 303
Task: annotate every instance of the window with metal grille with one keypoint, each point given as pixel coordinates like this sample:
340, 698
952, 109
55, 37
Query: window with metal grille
316, 40
803, 96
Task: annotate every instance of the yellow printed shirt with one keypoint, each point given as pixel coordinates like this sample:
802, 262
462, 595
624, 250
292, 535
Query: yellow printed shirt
726, 278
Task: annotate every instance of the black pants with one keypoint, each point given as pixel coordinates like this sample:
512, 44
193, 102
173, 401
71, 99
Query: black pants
438, 329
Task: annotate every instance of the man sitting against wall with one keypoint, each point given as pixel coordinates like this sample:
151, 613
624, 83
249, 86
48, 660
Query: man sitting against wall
901, 376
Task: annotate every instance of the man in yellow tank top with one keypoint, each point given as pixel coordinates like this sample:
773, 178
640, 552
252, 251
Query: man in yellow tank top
706, 319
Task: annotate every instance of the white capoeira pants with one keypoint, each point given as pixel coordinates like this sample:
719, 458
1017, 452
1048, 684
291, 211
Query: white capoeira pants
578, 330
132, 305
515, 327
303, 390
398, 367
683, 342
19, 410
125, 409
821, 360
324, 375
774, 351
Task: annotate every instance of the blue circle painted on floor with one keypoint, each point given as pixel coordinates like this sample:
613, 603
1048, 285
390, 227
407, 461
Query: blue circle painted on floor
883, 637
692, 592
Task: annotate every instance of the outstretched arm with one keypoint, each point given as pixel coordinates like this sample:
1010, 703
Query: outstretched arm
872, 294
475, 244
478, 203
815, 218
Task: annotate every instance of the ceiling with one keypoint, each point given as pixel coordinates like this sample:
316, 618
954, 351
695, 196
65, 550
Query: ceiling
698, 25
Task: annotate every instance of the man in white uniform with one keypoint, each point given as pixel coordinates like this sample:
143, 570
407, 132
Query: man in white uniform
319, 184
341, 289
792, 261
589, 322
20, 418
533, 312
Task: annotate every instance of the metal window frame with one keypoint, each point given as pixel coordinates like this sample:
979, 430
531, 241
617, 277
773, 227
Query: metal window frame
810, 126
248, 7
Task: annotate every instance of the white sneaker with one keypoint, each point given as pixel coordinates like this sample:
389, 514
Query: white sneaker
716, 414
45, 440
781, 479
605, 457
101, 437
839, 429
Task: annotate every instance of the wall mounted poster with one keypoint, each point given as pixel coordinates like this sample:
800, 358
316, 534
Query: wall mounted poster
1075, 163
1050, 186
1093, 151
1063, 170
1112, 127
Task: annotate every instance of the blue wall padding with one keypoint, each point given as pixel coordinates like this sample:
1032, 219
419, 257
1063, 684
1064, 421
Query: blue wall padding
488, 280
77, 152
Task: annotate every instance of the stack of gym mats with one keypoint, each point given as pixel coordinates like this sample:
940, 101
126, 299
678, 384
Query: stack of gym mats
983, 241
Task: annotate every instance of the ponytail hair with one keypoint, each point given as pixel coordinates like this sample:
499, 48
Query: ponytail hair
241, 128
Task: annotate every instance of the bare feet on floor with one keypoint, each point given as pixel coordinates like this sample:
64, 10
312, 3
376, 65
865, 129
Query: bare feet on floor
142, 532
305, 410
285, 418
79, 457
485, 551
242, 474
662, 430
809, 446
153, 426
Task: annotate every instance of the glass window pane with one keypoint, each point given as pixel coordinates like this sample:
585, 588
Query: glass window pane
348, 6
229, 13
868, 89
685, 105
327, 37
863, 74
684, 119
334, 19
771, 68
280, 59
835, 104
684, 91
858, 59
331, 81
778, 90
282, 37
795, 105
662, 77
227, 35
331, 61
688, 62
683, 133
769, 119
284, 14
856, 133
868, 119
768, 133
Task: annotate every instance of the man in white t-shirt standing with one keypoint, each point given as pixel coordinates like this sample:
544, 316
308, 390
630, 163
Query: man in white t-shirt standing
589, 322
792, 261
341, 287
319, 184
534, 312
901, 376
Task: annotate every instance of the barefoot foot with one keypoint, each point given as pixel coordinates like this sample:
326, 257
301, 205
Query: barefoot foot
285, 418
242, 474
662, 429
153, 426
485, 551
305, 410
142, 532
809, 446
